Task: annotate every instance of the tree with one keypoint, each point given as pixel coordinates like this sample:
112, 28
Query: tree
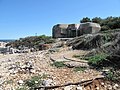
86, 19
97, 20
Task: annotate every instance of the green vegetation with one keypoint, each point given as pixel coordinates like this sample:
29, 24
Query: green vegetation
113, 75
23, 88
9, 81
76, 69
33, 82
97, 59
31, 42
108, 23
108, 37
59, 64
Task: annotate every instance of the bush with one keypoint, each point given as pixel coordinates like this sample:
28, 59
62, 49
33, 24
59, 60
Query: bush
97, 59
31, 42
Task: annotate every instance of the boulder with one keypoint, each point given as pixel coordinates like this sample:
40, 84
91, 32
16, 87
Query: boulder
72, 64
48, 82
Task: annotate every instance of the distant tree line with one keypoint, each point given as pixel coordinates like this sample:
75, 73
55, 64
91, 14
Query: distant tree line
31, 42
108, 23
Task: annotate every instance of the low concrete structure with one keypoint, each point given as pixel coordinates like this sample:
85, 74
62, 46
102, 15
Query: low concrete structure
88, 28
60, 30
73, 30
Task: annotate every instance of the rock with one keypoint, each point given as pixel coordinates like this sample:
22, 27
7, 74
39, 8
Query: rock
12, 71
68, 88
33, 71
97, 88
79, 88
109, 87
115, 86
48, 82
76, 64
1, 81
102, 83
1, 88
20, 82
105, 72
88, 41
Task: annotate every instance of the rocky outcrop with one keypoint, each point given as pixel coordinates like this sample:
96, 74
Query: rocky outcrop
100, 43
88, 41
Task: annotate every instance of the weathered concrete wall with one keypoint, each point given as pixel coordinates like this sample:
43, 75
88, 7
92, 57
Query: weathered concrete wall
89, 27
59, 30
73, 30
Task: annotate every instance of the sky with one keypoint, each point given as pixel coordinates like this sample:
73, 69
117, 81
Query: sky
22, 18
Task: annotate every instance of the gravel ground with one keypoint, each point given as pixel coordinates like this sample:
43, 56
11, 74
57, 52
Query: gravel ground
42, 65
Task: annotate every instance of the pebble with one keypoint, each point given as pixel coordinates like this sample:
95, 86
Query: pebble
115, 86
79, 88
20, 82
109, 87
102, 84
1, 81
68, 88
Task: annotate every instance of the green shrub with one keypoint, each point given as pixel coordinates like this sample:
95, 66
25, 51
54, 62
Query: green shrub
97, 59
34, 81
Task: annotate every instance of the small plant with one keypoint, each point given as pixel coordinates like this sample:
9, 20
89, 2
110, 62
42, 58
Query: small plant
107, 37
59, 64
113, 75
76, 69
44, 76
97, 59
22, 88
33, 82
9, 81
